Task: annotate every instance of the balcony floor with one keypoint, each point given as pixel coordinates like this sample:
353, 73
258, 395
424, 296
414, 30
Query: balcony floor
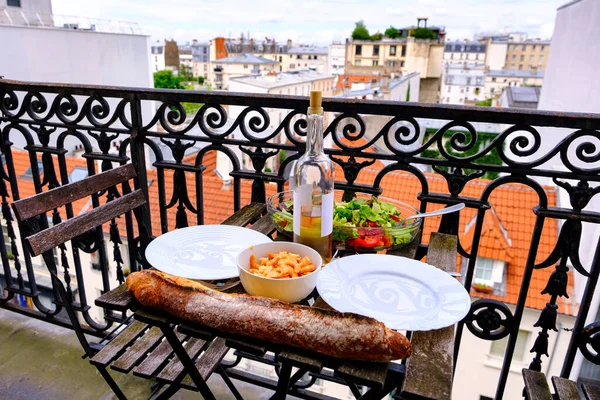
42, 361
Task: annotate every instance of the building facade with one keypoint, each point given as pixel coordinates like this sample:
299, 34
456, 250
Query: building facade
463, 83
200, 59
27, 12
497, 80
396, 57
465, 51
495, 55
336, 58
527, 55
244, 64
305, 57
157, 56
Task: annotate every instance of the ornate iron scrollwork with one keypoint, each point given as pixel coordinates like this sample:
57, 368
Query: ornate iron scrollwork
588, 342
489, 319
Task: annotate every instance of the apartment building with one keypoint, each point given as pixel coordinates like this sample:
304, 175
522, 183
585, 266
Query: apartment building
157, 56
336, 57
238, 65
471, 52
463, 83
395, 57
496, 81
305, 57
196, 57
527, 54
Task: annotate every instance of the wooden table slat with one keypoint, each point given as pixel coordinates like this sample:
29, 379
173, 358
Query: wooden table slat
565, 389
138, 350
247, 346
159, 356
118, 344
174, 368
536, 385
296, 359
246, 215
429, 369
264, 225
118, 299
591, 392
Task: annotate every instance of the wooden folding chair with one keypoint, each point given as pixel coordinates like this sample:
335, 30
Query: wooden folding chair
137, 342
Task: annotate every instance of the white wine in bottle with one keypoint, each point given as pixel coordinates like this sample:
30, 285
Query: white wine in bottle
313, 187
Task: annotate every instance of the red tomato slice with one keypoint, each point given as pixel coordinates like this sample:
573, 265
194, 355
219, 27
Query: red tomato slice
372, 224
395, 218
386, 241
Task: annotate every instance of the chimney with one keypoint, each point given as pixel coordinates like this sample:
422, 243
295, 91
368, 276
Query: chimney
271, 76
289, 43
194, 41
533, 70
221, 51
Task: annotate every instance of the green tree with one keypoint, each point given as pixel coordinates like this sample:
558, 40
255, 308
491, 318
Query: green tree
185, 72
408, 92
392, 32
377, 36
484, 103
423, 33
360, 32
166, 80
201, 80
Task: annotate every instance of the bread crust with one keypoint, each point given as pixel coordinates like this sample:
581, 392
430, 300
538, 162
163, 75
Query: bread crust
342, 335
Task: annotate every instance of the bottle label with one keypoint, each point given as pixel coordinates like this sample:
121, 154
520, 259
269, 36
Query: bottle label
302, 204
327, 214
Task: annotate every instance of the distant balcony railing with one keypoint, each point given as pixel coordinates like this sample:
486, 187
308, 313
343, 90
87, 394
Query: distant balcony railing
154, 133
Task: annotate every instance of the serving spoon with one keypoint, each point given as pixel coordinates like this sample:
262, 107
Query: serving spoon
447, 210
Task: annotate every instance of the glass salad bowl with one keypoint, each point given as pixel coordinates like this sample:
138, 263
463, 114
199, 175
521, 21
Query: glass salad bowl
365, 223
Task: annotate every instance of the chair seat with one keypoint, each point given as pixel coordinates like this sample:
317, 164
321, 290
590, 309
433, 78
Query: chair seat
141, 348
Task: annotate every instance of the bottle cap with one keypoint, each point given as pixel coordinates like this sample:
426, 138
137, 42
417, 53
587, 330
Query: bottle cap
315, 102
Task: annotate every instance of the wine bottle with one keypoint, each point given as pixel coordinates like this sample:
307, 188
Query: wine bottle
313, 187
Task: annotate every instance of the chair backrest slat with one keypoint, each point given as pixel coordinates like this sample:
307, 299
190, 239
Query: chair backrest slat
67, 230
46, 201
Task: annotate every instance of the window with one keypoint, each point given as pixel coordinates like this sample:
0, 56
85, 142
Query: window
520, 67
499, 346
461, 56
514, 58
523, 47
541, 58
13, 3
78, 174
403, 51
298, 57
314, 57
245, 66
205, 67
280, 58
375, 63
530, 58
468, 80
476, 91
483, 269
522, 58
462, 90
452, 56
449, 89
356, 62
493, 79
460, 100
543, 47
393, 50
467, 90
376, 50
447, 99
358, 50
402, 63
492, 90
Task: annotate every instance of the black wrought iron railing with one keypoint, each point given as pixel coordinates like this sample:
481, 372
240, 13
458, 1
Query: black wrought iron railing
261, 135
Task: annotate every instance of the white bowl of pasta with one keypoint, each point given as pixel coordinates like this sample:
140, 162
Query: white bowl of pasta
280, 270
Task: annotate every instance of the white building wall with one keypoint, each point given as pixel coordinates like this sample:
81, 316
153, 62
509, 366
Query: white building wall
478, 370
460, 84
78, 57
572, 83
399, 92
336, 59
496, 55
31, 12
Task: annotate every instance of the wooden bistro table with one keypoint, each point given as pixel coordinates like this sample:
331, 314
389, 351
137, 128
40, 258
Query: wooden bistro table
142, 349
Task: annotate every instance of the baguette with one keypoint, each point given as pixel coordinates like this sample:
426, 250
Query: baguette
342, 335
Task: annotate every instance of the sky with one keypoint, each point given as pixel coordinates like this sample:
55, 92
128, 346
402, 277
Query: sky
316, 22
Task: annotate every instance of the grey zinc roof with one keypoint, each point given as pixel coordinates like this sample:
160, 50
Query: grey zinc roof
245, 59
308, 50
516, 73
462, 47
523, 97
283, 78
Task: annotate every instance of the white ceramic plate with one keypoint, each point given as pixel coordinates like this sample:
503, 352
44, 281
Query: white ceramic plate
204, 252
402, 293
